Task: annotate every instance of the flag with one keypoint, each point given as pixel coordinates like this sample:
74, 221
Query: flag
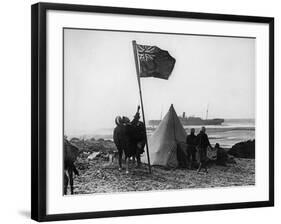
155, 62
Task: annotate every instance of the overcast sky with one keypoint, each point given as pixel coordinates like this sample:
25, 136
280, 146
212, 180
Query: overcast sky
100, 78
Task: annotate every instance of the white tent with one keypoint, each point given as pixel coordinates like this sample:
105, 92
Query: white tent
166, 139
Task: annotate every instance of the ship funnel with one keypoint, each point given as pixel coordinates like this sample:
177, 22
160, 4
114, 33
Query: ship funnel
183, 115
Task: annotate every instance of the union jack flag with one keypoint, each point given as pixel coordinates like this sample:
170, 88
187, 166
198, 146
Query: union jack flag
155, 62
146, 53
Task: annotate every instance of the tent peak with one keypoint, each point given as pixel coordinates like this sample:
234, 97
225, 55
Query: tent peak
172, 108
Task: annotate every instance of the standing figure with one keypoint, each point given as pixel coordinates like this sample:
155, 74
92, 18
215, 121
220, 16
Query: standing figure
138, 136
202, 144
191, 147
129, 147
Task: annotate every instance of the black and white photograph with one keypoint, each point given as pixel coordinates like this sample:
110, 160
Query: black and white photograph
141, 111
135, 111
152, 111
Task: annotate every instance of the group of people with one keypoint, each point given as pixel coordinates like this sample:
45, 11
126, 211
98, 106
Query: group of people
129, 138
198, 143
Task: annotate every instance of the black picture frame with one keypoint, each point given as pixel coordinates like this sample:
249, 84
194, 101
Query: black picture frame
39, 122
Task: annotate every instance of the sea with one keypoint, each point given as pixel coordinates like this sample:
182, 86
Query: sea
227, 134
230, 132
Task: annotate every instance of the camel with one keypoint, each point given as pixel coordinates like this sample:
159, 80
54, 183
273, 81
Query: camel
70, 154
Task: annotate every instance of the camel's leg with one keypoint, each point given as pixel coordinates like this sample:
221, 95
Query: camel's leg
199, 168
75, 170
138, 160
70, 173
120, 152
205, 161
127, 160
65, 183
206, 168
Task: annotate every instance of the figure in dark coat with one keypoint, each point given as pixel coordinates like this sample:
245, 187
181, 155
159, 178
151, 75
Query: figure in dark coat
202, 144
191, 141
136, 136
130, 138
139, 134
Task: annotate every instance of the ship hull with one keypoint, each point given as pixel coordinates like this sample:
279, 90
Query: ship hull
187, 122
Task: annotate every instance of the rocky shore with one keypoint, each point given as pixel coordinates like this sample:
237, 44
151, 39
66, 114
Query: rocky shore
100, 173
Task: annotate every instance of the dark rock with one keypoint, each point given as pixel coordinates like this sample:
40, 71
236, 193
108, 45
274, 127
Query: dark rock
74, 140
243, 150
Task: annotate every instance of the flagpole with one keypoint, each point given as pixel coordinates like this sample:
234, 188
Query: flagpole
142, 109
